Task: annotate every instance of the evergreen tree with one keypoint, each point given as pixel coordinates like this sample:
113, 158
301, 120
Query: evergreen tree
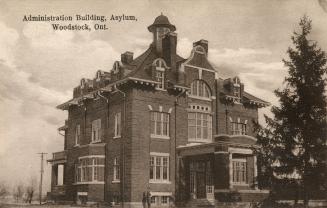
294, 142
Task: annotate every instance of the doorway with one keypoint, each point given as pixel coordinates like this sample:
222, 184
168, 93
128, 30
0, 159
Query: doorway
201, 180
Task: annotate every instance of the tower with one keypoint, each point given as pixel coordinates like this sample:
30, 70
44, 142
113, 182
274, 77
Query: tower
160, 27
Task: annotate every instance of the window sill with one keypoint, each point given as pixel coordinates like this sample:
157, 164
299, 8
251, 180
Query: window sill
240, 184
199, 140
159, 182
200, 98
115, 181
89, 182
153, 136
117, 137
95, 141
160, 89
76, 145
239, 134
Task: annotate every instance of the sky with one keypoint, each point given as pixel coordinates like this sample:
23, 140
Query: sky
39, 67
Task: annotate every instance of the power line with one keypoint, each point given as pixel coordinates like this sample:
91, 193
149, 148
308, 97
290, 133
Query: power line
41, 175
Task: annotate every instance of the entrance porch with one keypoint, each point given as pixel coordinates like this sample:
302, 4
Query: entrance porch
222, 171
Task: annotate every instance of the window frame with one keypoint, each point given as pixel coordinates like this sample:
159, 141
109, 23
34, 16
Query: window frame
116, 170
240, 173
89, 173
154, 165
96, 131
199, 117
118, 127
77, 135
160, 68
163, 125
199, 90
238, 128
158, 200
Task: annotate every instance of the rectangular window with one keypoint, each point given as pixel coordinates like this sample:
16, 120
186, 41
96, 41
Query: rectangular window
161, 79
239, 171
116, 170
159, 124
96, 130
160, 200
159, 168
238, 128
77, 134
199, 126
90, 169
118, 124
153, 200
164, 200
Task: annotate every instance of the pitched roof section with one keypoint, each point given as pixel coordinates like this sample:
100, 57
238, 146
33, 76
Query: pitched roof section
248, 97
199, 58
161, 21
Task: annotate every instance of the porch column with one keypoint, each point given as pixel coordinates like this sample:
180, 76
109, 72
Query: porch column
255, 172
221, 170
230, 166
54, 174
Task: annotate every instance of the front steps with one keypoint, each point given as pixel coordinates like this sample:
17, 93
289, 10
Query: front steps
196, 203
205, 203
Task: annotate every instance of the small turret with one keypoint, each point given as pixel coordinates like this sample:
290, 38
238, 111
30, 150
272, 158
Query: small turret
160, 27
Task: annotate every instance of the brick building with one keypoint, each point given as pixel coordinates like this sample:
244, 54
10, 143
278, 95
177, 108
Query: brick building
159, 123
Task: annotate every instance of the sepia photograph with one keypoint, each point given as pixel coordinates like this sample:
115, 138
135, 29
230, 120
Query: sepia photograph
163, 103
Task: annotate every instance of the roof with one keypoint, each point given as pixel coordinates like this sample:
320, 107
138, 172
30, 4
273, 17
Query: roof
250, 97
161, 21
221, 143
246, 97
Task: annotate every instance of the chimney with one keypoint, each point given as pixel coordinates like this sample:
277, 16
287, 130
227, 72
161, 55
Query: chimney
127, 57
203, 43
169, 44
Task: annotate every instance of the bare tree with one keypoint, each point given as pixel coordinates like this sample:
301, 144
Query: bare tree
30, 190
18, 192
3, 190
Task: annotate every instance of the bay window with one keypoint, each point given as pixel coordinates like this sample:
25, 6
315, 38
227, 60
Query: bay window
89, 169
238, 128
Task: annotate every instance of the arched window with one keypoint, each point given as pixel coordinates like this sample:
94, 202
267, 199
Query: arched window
160, 73
199, 49
200, 89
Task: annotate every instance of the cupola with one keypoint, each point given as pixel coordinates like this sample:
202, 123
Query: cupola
160, 27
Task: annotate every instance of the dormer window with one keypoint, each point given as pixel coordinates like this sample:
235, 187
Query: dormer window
237, 87
199, 49
160, 66
82, 83
98, 75
199, 89
116, 67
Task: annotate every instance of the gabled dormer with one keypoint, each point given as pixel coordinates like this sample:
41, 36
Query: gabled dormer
233, 89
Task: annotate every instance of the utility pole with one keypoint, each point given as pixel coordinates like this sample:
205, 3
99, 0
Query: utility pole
41, 175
